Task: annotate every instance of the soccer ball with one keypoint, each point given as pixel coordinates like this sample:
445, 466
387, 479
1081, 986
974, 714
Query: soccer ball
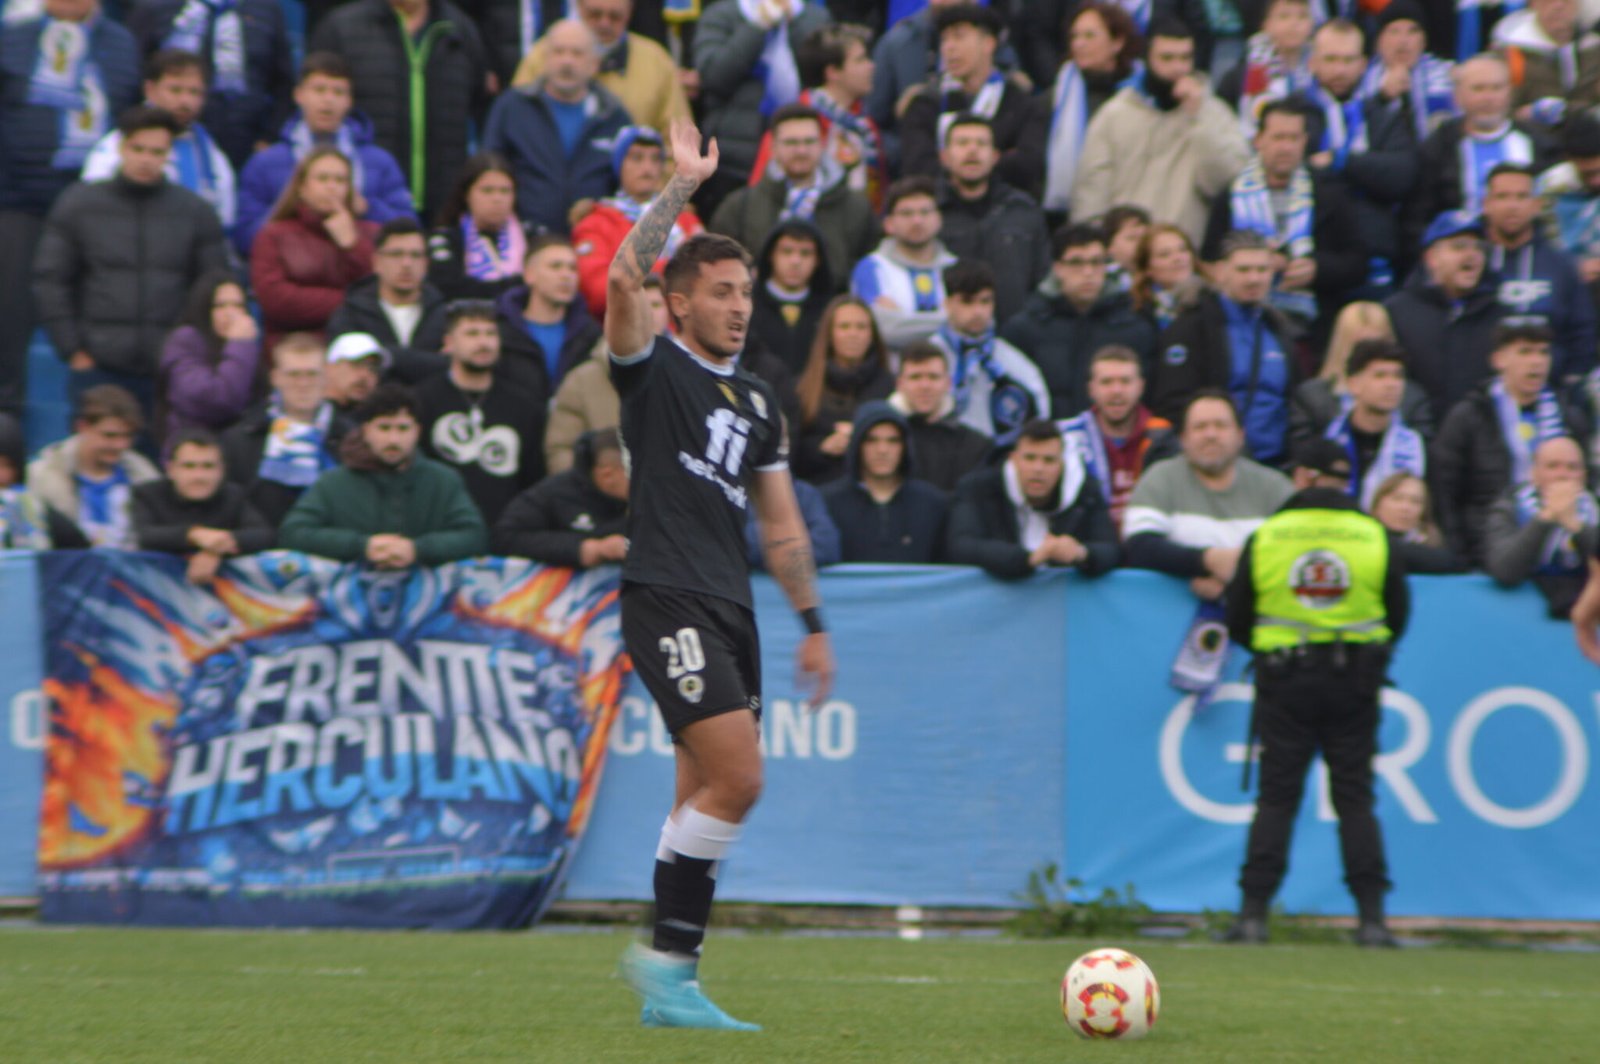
1110, 993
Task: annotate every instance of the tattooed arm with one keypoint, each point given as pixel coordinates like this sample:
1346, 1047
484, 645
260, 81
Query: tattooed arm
628, 327
788, 552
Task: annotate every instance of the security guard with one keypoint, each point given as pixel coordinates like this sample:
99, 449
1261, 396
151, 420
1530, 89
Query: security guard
1320, 601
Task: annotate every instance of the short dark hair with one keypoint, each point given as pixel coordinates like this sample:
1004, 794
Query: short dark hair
142, 116
1075, 235
1173, 29
401, 226
459, 310
193, 436
1366, 352
827, 47
1039, 430
794, 112
166, 61
1288, 105
387, 398
1201, 396
985, 19
905, 188
968, 278
919, 351
455, 204
1522, 328
108, 401
544, 241
1581, 137
1116, 353
1242, 240
328, 64
702, 249
1120, 215
967, 118
1517, 169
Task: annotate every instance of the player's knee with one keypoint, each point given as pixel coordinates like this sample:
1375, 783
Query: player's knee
740, 788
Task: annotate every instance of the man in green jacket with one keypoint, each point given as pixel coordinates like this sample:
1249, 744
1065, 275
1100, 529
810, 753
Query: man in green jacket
386, 504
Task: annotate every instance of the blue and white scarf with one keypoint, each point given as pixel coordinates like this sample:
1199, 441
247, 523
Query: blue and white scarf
1469, 23
1402, 451
302, 141
1251, 202
1344, 123
22, 521
985, 103
194, 167
1480, 154
1011, 405
531, 23
801, 202
295, 453
1070, 121
1083, 435
1524, 433
1560, 554
776, 69
497, 261
66, 79
1268, 77
1139, 11
854, 122
1432, 91
103, 509
227, 52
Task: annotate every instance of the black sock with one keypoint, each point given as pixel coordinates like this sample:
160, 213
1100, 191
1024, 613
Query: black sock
683, 903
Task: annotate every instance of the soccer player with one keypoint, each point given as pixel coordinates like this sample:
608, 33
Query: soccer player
705, 440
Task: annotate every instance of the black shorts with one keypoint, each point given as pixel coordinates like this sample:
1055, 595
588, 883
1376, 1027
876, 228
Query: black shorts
698, 655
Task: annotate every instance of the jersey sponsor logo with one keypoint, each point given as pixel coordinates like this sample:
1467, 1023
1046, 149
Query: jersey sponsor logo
1319, 579
461, 439
1524, 294
1176, 355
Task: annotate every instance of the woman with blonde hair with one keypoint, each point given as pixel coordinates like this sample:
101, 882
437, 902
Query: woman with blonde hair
1318, 402
849, 365
1401, 504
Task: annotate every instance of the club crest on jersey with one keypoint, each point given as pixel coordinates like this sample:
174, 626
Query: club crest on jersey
1319, 579
729, 394
760, 405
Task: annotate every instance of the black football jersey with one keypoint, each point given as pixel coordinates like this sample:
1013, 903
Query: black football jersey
694, 433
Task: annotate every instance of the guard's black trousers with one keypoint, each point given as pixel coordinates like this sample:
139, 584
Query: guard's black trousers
1307, 706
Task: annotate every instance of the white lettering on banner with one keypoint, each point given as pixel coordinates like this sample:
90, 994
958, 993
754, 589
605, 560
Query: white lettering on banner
1390, 766
27, 720
1574, 757
787, 730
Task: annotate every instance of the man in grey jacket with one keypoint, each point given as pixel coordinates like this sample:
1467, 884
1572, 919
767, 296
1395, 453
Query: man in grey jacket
118, 258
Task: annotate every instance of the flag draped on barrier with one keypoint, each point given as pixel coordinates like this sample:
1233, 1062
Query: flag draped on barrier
312, 744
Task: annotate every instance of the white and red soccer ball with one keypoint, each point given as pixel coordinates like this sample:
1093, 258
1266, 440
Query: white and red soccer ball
1110, 993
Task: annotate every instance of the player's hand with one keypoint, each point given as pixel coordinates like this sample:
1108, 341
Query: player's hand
814, 670
686, 158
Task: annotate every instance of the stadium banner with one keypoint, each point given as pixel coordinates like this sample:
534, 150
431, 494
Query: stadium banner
931, 775
22, 739
310, 744
1484, 789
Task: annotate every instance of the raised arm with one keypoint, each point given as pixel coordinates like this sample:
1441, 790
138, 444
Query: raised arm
787, 546
628, 327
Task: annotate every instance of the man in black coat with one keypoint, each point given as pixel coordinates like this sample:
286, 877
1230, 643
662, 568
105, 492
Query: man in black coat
545, 329
576, 517
793, 287
1317, 240
1041, 507
987, 219
118, 258
475, 418
451, 81
1073, 314
1486, 443
883, 513
946, 448
396, 305
193, 511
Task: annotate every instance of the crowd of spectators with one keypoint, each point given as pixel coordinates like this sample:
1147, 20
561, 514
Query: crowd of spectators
1038, 283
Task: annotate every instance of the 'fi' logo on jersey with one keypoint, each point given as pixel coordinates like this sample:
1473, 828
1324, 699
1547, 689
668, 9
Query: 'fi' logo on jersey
1319, 579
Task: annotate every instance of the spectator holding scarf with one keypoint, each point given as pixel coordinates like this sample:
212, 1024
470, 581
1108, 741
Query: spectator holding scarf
1403, 74
996, 389
1545, 529
1103, 51
479, 246
1368, 427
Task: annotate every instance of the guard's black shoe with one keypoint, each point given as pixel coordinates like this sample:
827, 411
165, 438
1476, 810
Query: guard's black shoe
1375, 935
1248, 929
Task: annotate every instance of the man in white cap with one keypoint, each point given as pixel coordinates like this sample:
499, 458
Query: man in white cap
356, 361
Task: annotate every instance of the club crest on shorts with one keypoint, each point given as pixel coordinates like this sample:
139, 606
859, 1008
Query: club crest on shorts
692, 688
1319, 579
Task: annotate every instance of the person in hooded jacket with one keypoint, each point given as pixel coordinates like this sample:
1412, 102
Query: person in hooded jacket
576, 517
883, 512
793, 286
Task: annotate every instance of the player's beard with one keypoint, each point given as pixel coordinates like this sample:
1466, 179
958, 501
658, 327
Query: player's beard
720, 349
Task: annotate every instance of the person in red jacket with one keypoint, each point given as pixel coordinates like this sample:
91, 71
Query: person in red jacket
639, 160
312, 248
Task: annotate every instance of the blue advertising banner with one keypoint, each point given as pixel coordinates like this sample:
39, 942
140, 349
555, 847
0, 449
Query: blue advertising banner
22, 737
1484, 787
932, 775
311, 744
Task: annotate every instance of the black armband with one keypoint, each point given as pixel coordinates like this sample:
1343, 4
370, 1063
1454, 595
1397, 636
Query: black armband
811, 617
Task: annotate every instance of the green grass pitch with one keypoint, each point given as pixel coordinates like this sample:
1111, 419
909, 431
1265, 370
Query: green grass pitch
90, 995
